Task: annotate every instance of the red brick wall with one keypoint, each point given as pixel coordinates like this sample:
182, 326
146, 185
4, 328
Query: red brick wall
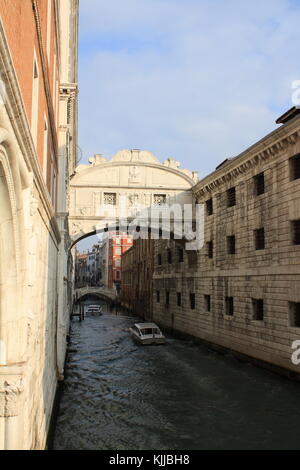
20, 30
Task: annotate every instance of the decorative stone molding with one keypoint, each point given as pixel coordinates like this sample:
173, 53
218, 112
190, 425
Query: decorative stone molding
239, 166
10, 391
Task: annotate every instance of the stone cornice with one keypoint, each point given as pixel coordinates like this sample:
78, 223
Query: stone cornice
266, 149
130, 164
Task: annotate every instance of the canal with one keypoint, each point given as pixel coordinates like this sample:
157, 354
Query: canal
179, 396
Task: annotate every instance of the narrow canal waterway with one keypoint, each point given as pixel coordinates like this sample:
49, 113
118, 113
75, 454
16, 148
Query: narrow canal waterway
179, 396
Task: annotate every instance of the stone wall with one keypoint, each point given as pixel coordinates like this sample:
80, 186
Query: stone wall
254, 294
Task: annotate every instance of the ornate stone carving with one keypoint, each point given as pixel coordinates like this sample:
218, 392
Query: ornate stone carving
10, 391
134, 175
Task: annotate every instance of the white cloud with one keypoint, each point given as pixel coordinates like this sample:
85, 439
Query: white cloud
197, 80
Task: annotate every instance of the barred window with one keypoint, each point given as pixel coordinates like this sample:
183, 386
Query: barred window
229, 306
207, 303
179, 299
296, 232
210, 249
159, 199
110, 199
259, 184
180, 255
193, 301
231, 245
258, 309
231, 197
295, 167
259, 236
209, 207
294, 313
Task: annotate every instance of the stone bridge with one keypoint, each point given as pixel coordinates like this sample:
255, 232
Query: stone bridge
107, 192
101, 292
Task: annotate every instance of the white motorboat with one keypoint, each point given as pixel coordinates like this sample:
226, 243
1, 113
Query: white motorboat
94, 309
147, 333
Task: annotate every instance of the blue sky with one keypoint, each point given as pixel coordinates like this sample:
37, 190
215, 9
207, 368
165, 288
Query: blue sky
197, 80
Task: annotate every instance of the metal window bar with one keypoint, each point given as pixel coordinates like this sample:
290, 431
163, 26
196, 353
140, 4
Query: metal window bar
110, 199
229, 305
210, 249
231, 197
207, 303
193, 301
259, 184
231, 245
180, 255
296, 232
295, 314
258, 309
209, 207
159, 199
295, 167
259, 239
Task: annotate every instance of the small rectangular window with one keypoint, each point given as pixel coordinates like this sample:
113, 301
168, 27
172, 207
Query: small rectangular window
167, 298
259, 184
259, 236
180, 255
110, 199
207, 303
209, 207
210, 249
231, 197
192, 301
295, 167
169, 256
258, 309
179, 299
296, 232
294, 313
159, 199
158, 296
229, 306
159, 260
231, 245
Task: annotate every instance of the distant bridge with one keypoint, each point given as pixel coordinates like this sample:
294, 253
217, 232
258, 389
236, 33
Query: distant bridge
101, 292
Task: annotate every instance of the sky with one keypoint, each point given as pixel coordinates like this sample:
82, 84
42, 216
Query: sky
196, 80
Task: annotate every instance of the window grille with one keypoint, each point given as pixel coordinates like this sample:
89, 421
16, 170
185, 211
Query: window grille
110, 199
259, 235
258, 309
229, 306
159, 199
231, 197
259, 184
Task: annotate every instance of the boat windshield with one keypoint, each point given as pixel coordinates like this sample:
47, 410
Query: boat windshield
150, 331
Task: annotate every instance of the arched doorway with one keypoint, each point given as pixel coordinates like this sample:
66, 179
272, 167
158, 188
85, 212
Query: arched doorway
11, 334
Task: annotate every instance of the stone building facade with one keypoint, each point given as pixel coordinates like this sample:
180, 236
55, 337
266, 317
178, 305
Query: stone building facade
243, 293
38, 53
